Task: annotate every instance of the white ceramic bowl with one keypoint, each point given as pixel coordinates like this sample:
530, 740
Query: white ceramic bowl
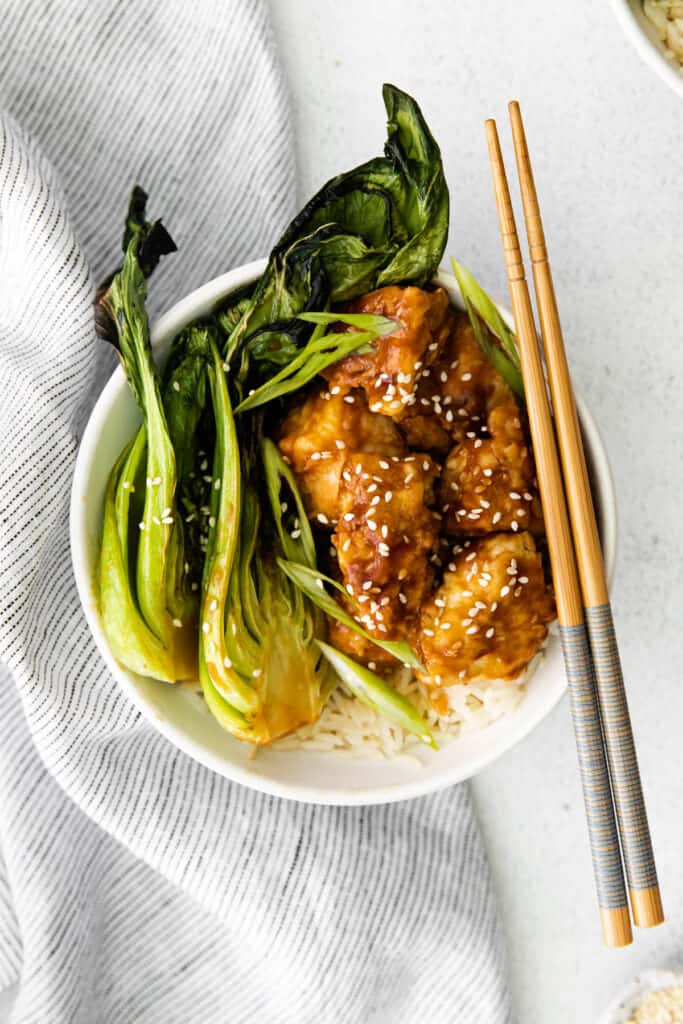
643, 36
181, 715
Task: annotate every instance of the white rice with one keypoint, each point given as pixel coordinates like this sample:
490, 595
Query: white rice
667, 18
351, 729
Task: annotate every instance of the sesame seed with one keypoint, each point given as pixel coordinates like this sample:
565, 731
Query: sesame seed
472, 554
375, 501
487, 472
177, 623
322, 518
141, 525
347, 517
335, 390
384, 530
472, 630
443, 376
217, 484
295, 534
445, 625
340, 444
478, 443
349, 399
195, 586
504, 591
515, 496
257, 672
319, 583
496, 518
156, 520
425, 465
227, 662
494, 606
402, 573
366, 585
384, 550
347, 544
520, 513
489, 632
402, 598
523, 579
212, 522
514, 526
466, 377
167, 520
428, 632
528, 497
466, 622
388, 496
439, 602
372, 525
213, 605
205, 627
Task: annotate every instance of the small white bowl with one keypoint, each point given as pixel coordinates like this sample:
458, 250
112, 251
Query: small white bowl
643, 36
182, 716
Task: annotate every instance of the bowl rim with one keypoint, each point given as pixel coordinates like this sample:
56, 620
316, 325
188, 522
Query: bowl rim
649, 49
431, 779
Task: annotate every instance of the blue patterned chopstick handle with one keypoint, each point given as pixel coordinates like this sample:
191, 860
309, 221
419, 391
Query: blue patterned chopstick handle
597, 794
621, 753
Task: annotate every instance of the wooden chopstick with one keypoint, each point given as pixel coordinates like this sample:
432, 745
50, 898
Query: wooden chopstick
602, 828
636, 843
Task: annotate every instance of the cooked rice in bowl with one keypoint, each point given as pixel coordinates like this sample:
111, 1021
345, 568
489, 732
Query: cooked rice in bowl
667, 18
351, 729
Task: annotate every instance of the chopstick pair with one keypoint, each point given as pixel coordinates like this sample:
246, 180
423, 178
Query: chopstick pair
606, 750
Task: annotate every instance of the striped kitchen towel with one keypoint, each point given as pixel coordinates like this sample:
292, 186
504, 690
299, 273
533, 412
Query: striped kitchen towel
135, 885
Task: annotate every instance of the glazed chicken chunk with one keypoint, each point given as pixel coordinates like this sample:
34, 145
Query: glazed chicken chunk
384, 539
488, 483
317, 436
455, 393
389, 373
490, 614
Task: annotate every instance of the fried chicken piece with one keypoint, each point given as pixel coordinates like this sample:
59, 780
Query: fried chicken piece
317, 436
388, 374
384, 539
489, 616
488, 483
455, 394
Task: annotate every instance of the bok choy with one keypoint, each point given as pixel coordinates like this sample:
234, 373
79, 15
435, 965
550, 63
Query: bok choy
148, 610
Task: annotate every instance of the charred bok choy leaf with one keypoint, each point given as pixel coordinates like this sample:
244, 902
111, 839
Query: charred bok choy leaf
383, 222
149, 614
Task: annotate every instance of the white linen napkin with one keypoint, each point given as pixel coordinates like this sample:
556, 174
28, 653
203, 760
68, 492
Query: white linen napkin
135, 885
